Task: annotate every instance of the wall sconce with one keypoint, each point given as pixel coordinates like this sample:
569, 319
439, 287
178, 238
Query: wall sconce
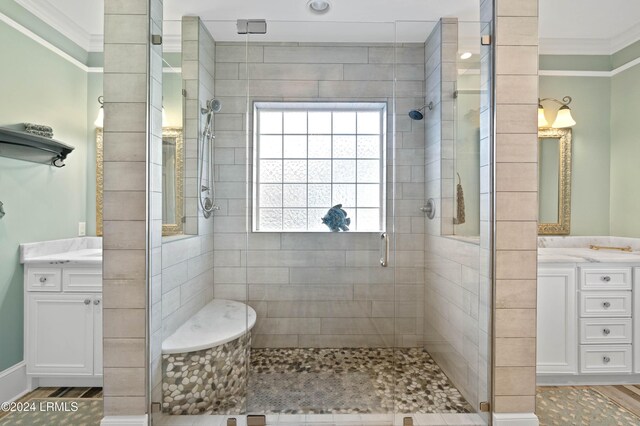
563, 117
99, 123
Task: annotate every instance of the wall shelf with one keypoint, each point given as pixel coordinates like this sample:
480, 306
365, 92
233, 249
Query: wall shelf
29, 147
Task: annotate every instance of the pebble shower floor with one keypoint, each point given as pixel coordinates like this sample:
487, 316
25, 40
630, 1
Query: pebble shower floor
346, 381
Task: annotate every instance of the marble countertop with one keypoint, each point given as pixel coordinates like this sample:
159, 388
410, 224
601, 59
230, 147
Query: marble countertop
218, 322
585, 255
73, 251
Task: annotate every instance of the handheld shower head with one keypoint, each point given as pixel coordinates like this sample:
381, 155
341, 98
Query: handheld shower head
415, 114
214, 105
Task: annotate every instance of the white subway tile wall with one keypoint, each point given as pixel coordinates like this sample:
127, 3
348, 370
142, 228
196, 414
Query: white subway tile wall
321, 290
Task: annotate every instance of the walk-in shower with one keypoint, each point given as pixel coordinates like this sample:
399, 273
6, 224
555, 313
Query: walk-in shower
315, 115
207, 196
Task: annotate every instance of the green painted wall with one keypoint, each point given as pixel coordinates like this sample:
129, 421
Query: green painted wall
42, 202
591, 148
575, 62
625, 153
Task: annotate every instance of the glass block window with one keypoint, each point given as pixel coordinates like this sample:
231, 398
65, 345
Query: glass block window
309, 157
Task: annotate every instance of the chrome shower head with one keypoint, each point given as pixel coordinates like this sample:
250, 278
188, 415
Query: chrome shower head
415, 114
213, 105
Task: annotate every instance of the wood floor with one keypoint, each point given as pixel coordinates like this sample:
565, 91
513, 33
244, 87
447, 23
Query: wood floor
626, 396
59, 393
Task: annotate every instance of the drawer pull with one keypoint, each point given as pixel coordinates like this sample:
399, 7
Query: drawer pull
606, 359
96, 302
606, 304
43, 279
606, 331
87, 301
606, 278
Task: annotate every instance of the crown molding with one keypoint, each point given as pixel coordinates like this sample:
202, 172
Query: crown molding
50, 14
625, 38
590, 46
96, 43
33, 36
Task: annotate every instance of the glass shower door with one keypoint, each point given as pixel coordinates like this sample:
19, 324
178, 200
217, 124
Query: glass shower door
446, 370
320, 264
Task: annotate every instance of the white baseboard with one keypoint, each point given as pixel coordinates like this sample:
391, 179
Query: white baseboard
55, 382
586, 379
515, 419
13, 382
125, 421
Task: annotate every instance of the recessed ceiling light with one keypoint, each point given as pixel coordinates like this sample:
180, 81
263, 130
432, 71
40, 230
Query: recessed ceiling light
466, 55
319, 6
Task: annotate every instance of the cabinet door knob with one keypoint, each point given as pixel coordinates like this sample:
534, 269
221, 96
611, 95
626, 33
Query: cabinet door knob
87, 301
96, 302
606, 331
606, 304
43, 279
606, 359
606, 278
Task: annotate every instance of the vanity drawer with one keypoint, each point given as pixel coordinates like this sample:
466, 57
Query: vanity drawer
601, 304
605, 278
605, 331
43, 279
82, 279
605, 359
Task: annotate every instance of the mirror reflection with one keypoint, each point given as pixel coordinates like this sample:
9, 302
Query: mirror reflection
554, 181
172, 181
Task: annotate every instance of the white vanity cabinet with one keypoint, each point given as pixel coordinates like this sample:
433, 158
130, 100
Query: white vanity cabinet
63, 324
588, 323
557, 334
606, 314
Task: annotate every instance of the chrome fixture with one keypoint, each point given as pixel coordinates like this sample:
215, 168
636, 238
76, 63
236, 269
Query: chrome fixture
2, 213
429, 208
319, 7
251, 26
416, 114
99, 123
563, 117
384, 250
207, 202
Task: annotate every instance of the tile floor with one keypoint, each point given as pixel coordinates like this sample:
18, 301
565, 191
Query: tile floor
346, 387
348, 381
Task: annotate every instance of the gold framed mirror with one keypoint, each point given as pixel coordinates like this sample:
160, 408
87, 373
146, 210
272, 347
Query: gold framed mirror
554, 179
172, 180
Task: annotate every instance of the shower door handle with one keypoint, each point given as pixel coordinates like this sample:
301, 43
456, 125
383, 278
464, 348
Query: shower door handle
384, 250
